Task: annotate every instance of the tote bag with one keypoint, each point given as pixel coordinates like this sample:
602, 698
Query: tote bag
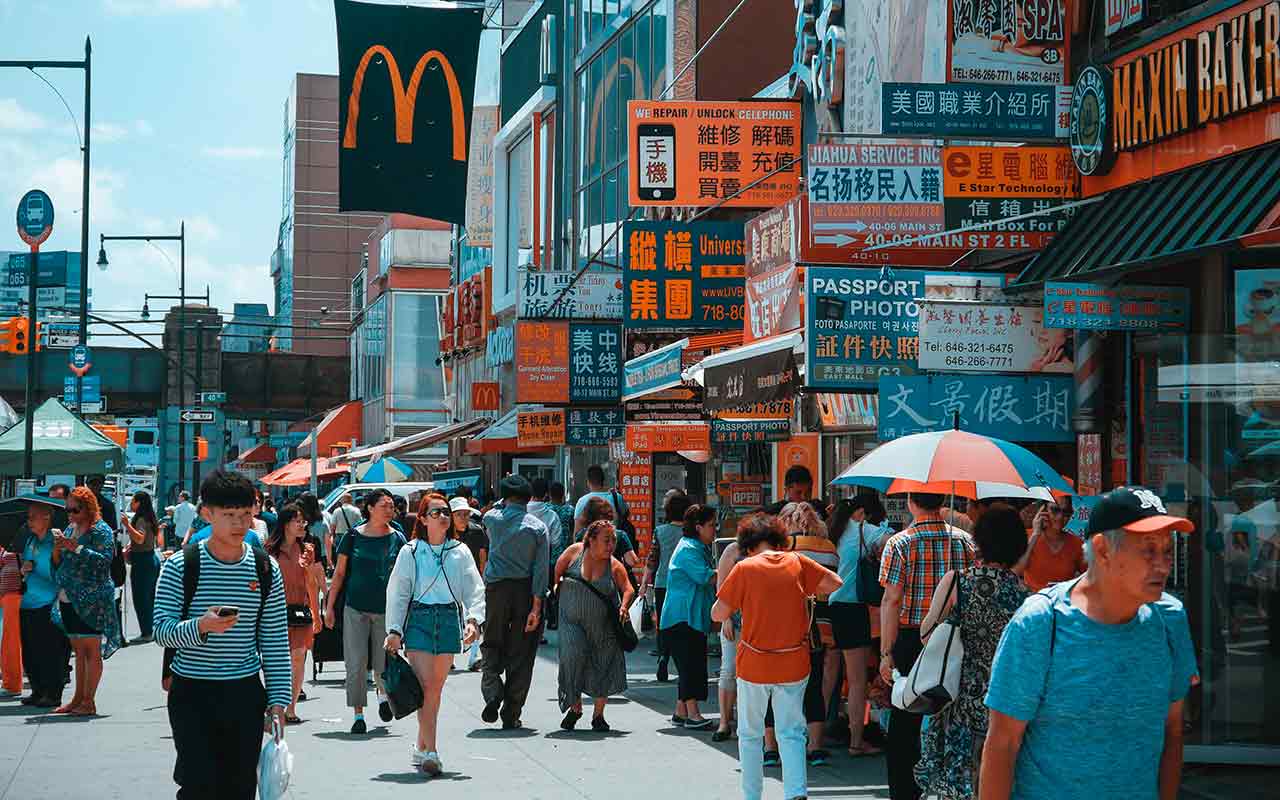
934, 680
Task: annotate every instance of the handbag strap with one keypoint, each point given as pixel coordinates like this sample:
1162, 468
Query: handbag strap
955, 581
593, 589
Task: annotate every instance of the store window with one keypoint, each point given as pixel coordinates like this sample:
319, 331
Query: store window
527, 173
417, 395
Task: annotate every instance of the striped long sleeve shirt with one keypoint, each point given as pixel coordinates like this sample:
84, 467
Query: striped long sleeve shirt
234, 654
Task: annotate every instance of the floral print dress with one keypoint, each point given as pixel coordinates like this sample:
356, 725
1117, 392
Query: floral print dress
986, 600
86, 579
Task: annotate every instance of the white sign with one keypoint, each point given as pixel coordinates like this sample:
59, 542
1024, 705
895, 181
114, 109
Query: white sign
196, 415
1123, 13
61, 334
45, 295
594, 295
991, 337
97, 407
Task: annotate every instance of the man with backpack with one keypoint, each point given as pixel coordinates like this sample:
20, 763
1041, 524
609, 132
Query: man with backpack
220, 612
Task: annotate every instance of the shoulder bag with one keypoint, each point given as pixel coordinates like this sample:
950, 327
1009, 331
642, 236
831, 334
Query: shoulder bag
935, 677
404, 691
628, 639
868, 575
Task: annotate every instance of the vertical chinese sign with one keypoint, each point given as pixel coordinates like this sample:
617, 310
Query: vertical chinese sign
1089, 463
635, 484
684, 275
595, 363
484, 126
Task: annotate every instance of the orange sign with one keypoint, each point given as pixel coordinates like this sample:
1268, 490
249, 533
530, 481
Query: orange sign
472, 310
669, 437
802, 449
1036, 172
485, 396
542, 362
540, 428
702, 153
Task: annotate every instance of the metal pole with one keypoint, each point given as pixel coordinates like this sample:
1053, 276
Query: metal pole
195, 390
32, 280
84, 226
182, 352
315, 459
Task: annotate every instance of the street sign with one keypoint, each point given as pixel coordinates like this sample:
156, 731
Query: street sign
61, 334
35, 217
213, 398
96, 407
80, 362
196, 415
90, 392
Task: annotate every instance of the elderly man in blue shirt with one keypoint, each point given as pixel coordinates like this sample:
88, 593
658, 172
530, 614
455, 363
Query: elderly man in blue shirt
515, 582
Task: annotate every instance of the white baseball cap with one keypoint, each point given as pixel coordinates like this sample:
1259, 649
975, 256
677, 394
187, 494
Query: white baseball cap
459, 504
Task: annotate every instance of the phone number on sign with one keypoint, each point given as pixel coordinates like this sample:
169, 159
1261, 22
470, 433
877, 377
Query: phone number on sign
982, 362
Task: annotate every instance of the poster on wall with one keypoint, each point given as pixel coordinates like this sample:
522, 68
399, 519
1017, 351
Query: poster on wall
1009, 407
1003, 41
991, 337
801, 450
895, 41
684, 275
1257, 317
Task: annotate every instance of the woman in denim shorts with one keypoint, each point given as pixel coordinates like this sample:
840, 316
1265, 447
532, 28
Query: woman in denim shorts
435, 606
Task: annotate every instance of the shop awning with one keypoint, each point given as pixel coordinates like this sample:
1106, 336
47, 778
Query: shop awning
502, 435
417, 441
1172, 217
298, 472
659, 370
786, 341
342, 423
259, 454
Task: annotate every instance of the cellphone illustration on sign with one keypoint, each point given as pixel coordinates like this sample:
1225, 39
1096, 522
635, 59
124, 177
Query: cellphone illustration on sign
657, 156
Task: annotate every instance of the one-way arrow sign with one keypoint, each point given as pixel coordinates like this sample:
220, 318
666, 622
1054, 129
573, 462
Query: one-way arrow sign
196, 415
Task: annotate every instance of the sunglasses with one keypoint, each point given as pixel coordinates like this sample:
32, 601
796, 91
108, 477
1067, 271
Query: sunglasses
74, 509
436, 513
1060, 510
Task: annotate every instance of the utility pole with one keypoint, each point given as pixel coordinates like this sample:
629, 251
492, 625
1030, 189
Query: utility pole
195, 429
32, 345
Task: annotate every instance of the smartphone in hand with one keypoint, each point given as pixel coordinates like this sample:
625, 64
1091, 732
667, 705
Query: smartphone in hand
228, 611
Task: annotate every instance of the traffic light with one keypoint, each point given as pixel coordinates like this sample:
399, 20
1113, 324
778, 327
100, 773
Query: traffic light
202, 448
17, 340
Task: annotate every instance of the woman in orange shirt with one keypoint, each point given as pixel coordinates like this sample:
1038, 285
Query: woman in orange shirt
1053, 555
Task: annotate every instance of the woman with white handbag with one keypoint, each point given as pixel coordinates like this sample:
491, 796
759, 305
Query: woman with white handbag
973, 607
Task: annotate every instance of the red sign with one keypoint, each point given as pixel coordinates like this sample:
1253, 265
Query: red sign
542, 362
474, 300
1089, 463
773, 238
802, 449
635, 484
746, 495
485, 396
775, 303
669, 437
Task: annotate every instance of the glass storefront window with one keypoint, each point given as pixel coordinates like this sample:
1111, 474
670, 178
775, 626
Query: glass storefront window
417, 395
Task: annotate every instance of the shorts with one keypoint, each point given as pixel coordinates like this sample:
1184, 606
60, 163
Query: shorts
851, 624
433, 628
728, 681
76, 627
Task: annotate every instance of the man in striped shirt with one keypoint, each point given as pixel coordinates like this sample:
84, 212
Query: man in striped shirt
218, 707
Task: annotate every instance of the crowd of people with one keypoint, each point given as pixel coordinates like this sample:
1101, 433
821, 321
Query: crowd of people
797, 599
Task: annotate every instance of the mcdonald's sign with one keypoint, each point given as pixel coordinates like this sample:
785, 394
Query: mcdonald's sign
485, 396
404, 137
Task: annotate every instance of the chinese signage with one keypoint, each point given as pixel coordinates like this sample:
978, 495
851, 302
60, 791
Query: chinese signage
594, 426
772, 238
684, 274
1089, 463
991, 337
705, 153
975, 110
762, 378
1009, 407
773, 303
1092, 306
540, 428
894, 41
1123, 13
568, 362
984, 185
870, 194
595, 362
735, 431
556, 295
860, 326
474, 299
479, 219
679, 404
635, 484
1002, 41
668, 438
654, 371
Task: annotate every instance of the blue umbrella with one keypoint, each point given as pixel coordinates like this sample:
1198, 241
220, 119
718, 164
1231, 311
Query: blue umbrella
384, 470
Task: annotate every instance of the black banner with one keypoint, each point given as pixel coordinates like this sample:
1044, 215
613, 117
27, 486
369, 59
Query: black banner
763, 378
406, 76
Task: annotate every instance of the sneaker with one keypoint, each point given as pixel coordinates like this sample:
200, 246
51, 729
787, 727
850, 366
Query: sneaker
416, 757
817, 758
678, 721
358, 726
598, 724
431, 764
384, 711
699, 724
490, 713
772, 758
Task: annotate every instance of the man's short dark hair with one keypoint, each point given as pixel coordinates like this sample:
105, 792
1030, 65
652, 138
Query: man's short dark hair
556, 490
1000, 537
927, 500
181, 495
760, 528
515, 488
677, 505
798, 474
226, 489
539, 486
92, 479
59, 487
595, 475
463, 491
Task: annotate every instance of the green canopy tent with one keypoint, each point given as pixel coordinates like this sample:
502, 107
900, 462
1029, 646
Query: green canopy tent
62, 444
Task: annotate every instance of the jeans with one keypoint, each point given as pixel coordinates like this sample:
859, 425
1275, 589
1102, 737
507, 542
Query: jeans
363, 634
144, 570
217, 732
788, 712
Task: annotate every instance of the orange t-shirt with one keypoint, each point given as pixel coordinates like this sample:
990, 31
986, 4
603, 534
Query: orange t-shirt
1045, 566
770, 591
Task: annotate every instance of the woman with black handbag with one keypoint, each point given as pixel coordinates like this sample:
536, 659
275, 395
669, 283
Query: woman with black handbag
303, 577
594, 631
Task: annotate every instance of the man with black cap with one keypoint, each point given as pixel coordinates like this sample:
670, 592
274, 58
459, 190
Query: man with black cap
1089, 678
515, 582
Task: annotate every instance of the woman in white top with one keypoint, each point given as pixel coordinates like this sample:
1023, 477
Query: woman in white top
434, 587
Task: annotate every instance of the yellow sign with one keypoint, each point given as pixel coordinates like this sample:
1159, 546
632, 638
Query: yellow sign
406, 98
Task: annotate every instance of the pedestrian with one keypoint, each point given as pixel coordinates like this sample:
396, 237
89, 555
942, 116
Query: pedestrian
859, 533
469, 530
772, 590
541, 507
597, 486
797, 484
730, 630
1053, 554
686, 614
598, 509
435, 607
403, 518
267, 516
184, 514
303, 579
365, 558
86, 596
595, 595
657, 568
11, 639
105, 506
45, 647
911, 566
983, 600
564, 510
515, 583
318, 527
144, 562
1088, 683
168, 540
224, 632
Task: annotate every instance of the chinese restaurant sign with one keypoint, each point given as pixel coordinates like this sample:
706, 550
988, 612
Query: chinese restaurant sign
734, 431
991, 337
774, 303
1009, 407
985, 184
1092, 306
568, 362
540, 428
871, 194
1002, 41
763, 378
594, 295
684, 274
702, 153
668, 438
594, 426
859, 326
975, 110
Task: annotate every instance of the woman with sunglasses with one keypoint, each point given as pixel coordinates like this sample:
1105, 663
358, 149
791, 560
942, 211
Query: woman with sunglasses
435, 607
1053, 554
85, 606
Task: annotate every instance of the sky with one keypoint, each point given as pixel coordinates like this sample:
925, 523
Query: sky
187, 124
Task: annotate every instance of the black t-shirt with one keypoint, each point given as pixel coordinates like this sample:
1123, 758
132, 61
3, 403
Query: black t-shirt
109, 514
476, 539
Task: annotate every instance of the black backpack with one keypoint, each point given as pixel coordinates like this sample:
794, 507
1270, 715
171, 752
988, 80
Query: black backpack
190, 582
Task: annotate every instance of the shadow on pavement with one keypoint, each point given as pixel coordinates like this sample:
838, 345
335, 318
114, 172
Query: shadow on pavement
58, 719
588, 735
415, 777
378, 732
499, 733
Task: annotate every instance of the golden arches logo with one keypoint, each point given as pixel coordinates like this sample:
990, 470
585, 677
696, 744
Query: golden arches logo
406, 98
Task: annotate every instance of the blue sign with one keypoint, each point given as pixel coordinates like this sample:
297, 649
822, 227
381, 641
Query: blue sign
1081, 507
684, 275
1009, 407
1092, 306
733, 431
449, 482
594, 426
283, 441
80, 357
971, 110
53, 268
595, 362
90, 389
35, 217
652, 372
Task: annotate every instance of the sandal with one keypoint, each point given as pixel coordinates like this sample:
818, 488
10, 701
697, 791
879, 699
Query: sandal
292, 719
84, 710
722, 736
865, 750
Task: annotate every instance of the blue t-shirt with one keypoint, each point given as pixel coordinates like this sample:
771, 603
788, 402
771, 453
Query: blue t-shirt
251, 538
1100, 698
847, 551
40, 586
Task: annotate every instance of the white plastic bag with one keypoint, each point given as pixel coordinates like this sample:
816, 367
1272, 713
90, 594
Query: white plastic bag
637, 615
275, 766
